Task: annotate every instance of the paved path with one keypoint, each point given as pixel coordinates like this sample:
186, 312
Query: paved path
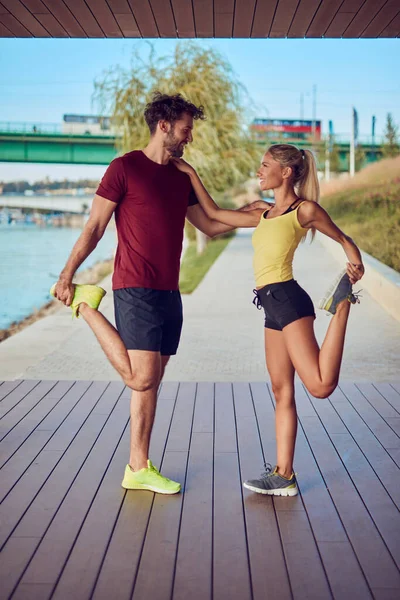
223, 332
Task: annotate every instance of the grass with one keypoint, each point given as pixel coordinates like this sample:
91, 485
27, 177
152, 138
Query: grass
368, 209
194, 267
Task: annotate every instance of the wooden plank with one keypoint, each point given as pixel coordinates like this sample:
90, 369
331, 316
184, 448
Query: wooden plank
223, 18
380, 506
23, 493
307, 520
81, 569
128, 25
118, 571
322, 19
302, 19
25, 17
37, 417
363, 18
63, 521
359, 398
124, 18
65, 18
263, 17
163, 527
85, 18
225, 433
144, 18
15, 394
283, 18
203, 421
230, 554
392, 30
166, 512
7, 387
12, 24
379, 395
243, 18
268, 578
377, 456
55, 29
28, 453
193, 574
373, 556
193, 577
204, 18
391, 396
343, 18
82, 566
164, 18
24, 407
105, 18
396, 386
45, 17
338, 557
230, 557
183, 13
387, 13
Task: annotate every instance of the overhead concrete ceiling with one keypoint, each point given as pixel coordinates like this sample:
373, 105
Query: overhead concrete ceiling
200, 18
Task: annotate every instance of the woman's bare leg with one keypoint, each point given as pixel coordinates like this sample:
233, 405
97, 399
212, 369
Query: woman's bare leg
318, 368
281, 371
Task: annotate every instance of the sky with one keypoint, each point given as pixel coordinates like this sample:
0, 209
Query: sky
42, 79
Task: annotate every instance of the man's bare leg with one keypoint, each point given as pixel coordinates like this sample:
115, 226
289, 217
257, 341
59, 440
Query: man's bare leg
143, 407
111, 343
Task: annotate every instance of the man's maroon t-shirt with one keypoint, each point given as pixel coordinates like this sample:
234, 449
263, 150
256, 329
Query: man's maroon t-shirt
150, 217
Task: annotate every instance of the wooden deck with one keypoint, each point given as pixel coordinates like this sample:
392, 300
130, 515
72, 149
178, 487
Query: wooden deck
69, 531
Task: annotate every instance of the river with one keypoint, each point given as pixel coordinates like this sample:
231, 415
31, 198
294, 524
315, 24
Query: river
31, 258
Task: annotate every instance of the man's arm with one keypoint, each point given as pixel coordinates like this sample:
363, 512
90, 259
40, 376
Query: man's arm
93, 231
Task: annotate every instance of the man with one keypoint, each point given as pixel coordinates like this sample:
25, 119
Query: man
151, 199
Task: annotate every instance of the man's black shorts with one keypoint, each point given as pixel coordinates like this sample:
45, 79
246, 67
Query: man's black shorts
149, 319
283, 303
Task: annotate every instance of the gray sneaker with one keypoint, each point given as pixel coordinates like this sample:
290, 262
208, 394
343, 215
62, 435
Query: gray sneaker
272, 483
340, 290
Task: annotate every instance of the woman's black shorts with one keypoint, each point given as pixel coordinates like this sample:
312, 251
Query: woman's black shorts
283, 303
149, 319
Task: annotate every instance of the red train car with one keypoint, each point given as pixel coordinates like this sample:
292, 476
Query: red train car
285, 129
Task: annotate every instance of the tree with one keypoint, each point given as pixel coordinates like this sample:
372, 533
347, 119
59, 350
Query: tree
223, 152
390, 146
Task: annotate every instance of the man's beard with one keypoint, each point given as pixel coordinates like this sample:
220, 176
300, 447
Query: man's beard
173, 146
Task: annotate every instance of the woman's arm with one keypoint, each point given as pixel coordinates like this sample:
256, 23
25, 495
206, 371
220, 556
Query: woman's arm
311, 214
233, 218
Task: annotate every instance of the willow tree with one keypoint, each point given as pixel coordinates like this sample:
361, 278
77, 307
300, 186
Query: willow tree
223, 152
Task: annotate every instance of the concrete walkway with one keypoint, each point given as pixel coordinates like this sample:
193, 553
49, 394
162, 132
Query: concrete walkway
223, 332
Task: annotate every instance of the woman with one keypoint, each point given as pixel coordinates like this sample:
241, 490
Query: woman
290, 343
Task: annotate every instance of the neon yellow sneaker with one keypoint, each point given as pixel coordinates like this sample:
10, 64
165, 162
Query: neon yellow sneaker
150, 479
92, 295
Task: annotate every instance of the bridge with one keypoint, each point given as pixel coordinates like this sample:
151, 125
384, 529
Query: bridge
47, 143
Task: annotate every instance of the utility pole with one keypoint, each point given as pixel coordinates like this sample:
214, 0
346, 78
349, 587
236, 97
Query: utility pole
328, 151
302, 106
314, 111
353, 141
373, 136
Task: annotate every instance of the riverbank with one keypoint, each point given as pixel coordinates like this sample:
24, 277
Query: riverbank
92, 275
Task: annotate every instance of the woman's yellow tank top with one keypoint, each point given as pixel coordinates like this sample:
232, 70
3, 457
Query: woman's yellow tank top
275, 241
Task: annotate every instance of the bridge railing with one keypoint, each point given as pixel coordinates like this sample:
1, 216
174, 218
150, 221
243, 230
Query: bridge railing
29, 127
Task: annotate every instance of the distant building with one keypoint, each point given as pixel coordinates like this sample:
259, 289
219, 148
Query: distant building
285, 129
87, 125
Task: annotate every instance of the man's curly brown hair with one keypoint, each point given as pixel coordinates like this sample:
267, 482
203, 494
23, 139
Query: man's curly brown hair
170, 108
